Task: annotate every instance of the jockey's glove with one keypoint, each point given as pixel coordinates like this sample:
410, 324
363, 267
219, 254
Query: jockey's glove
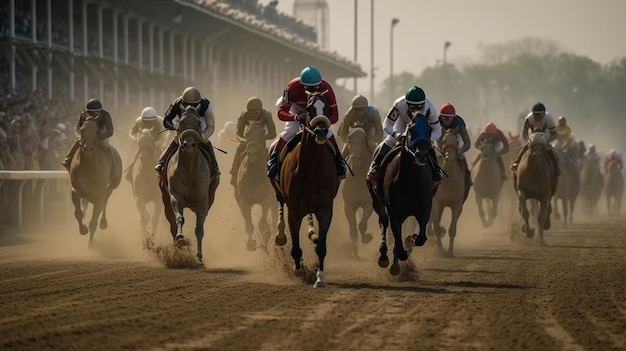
301, 117
168, 125
205, 137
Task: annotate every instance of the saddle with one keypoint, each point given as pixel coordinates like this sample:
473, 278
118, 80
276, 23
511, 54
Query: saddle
291, 144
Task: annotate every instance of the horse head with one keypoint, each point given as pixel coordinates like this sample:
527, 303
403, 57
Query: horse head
318, 112
419, 138
357, 140
450, 145
188, 132
146, 145
538, 144
89, 138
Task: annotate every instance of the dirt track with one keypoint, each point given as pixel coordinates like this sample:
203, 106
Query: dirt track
495, 295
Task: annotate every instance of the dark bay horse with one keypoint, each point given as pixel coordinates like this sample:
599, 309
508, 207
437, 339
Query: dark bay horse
94, 176
451, 192
145, 188
354, 191
406, 189
308, 185
189, 182
591, 185
614, 188
567, 188
487, 184
535, 179
252, 187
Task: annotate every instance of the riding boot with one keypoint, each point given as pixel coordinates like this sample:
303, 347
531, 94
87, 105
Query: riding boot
478, 157
501, 164
273, 164
345, 152
70, 155
372, 174
209, 148
555, 160
342, 167
468, 173
129, 169
237, 162
165, 155
515, 163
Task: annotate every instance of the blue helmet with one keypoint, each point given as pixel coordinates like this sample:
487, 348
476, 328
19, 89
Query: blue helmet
310, 76
415, 96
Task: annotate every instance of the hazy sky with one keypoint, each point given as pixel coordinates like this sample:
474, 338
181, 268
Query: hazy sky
593, 28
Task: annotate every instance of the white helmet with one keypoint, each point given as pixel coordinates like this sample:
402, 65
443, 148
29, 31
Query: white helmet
148, 114
60, 127
613, 153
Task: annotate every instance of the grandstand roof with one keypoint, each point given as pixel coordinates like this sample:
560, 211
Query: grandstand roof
227, 26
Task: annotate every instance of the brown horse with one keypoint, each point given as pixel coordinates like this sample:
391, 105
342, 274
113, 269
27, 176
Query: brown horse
94, 176
591, 185
535, 179
406, 190
252, 188
354, 192
450, 193
308, 185
190, 182
614, 188
567, 189
145, 187
487, 184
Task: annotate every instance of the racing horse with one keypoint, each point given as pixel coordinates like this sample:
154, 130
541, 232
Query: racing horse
189, 181
568, 186
251, 187
308, 184
487, 184
451, 191
536, 179
145, 189
614, 188
354, 192
93, 176
591, 185
406, 189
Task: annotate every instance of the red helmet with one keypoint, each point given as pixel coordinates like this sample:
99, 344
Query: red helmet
562, 119
490, 128
447, 110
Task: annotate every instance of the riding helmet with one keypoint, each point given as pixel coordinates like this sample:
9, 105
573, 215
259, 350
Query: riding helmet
191, 95
310, 76
539, 108
415, 96
149, 114
359, 101
94, 105
447, 110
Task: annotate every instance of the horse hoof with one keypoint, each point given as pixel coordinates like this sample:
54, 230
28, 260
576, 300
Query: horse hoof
530, 233
420, 239
547, 225
383, 262
366, 238
395, 269
103, 223
298, 272
83, 229
280, 240
251, 245
402, 254
523, 228
319, 284
180, 241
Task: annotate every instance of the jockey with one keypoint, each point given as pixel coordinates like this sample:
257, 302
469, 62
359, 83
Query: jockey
254, 113
148, 120
539, 119
492, 135
361, 114
564, 136
613, 156
292, 111
190, 97
451, 122
93, 111
414, 102
592, 156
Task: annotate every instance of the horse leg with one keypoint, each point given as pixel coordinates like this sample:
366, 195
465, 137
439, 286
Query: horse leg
481, 211
158, 209
435, 220
565, 203
78, 212
199, 231
495, 203
281, 238
350, 212
530, 232
143, 214
399, 253
542, 218
311, 229
456, 213
323, 218
246, 212
93, 223
177, 207
365, 236
295, 221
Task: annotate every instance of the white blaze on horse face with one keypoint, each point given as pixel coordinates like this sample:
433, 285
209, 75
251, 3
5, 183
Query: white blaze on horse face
319, 107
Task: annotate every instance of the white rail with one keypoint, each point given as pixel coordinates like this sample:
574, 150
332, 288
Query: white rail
22, 176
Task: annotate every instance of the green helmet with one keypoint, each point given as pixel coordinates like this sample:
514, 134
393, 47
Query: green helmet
191, 95
415, 96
